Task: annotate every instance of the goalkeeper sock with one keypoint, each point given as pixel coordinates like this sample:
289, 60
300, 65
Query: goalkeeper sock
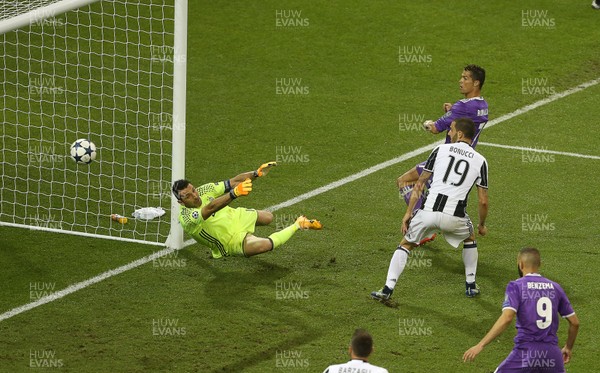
470, 256
281, 237
397, 265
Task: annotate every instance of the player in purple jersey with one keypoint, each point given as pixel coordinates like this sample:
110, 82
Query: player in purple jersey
473, 106
537, 302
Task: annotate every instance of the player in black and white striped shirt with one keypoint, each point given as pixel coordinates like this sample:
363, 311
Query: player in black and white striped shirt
456, 167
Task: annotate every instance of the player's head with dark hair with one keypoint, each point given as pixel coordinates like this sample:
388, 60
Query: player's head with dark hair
464, 126
529, 259
178, 186
477, 74
186, 194
361, 344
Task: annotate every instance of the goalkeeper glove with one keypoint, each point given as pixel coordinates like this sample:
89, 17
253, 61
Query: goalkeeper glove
242, 189
264, 169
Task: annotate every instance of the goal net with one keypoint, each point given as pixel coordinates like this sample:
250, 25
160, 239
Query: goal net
106, 71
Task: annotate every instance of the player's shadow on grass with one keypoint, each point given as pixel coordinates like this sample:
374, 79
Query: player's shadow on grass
265, 354
248, 287
449, 267
450, 260
234, 271
473, 328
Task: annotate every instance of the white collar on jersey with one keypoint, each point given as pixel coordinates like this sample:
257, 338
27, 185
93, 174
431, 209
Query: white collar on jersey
472, 98
533, 274
464, 142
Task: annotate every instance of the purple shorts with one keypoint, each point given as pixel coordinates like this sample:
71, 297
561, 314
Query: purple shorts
533, 357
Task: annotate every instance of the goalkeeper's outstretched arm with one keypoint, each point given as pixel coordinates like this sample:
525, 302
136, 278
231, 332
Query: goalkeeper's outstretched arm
241, 189
261, 171
234, 181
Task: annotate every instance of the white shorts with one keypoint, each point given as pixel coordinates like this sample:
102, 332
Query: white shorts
424, 223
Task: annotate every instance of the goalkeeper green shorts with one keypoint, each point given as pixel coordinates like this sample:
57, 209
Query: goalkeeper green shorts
242, 225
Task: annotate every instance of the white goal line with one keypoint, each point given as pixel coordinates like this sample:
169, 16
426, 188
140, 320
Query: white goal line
538, 150
113, 272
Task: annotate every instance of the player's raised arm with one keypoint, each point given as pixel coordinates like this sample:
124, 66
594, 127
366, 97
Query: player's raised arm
443, 123
234, 181
241, 189
456, 111
263, 170
573, 329
500, 326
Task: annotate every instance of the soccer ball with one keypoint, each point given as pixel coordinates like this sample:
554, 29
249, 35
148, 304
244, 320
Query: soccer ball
83, 151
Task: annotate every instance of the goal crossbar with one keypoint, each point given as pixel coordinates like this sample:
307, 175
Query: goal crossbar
41, 13
163, 48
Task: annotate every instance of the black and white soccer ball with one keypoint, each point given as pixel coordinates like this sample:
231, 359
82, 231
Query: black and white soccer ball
83, 151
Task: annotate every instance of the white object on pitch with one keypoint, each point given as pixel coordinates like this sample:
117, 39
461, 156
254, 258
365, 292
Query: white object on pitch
148, 213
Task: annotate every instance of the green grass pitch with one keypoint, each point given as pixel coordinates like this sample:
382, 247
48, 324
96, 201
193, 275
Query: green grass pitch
357, 69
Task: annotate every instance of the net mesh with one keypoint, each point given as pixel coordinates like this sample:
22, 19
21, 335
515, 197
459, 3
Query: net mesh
103, 72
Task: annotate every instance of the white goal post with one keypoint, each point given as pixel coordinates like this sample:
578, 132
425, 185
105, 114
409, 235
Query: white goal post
113, 72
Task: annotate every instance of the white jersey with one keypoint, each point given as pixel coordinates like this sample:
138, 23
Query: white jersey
355, 366
455, 167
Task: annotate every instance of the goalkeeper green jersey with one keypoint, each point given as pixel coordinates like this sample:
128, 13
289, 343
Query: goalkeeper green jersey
223, 231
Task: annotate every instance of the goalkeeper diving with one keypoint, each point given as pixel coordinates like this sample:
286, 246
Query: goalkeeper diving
206, 216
